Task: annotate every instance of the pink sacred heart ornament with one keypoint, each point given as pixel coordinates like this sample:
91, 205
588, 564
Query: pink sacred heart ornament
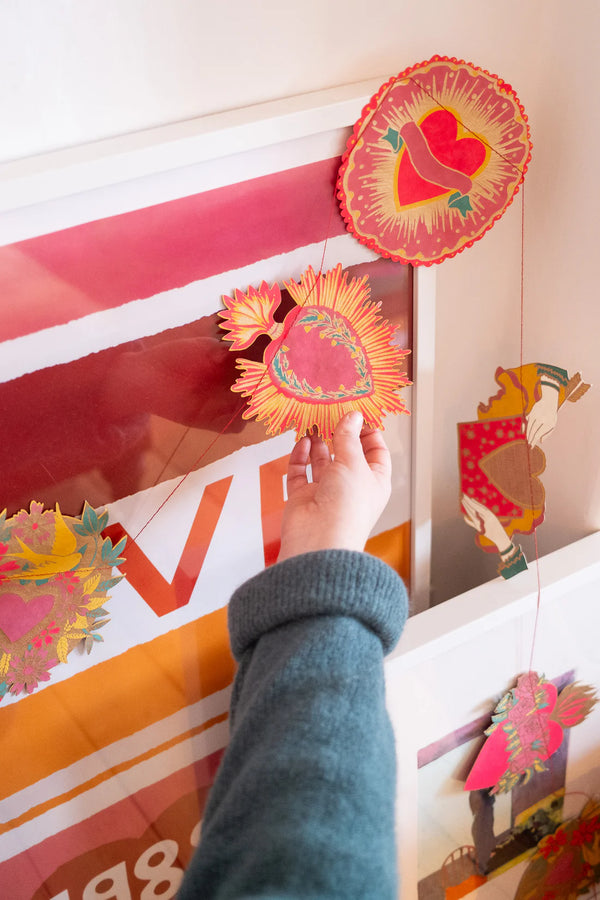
331, 354
438, 142
435, 159
527, 728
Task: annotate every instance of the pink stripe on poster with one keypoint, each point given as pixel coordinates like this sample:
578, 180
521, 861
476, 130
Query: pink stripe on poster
52, 279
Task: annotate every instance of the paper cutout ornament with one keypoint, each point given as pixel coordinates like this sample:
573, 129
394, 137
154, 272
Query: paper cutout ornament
494, 468
55, 572
527, 728
501, 460
331, 354
566, 863
435, 159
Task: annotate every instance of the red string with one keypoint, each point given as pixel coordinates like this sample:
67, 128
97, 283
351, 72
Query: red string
479, 137
239, 409
196, 463
282, 337
539, 717
529, 467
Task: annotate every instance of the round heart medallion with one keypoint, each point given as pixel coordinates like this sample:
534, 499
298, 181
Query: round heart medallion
434, 161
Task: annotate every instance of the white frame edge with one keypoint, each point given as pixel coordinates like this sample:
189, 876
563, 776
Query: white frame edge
99, 164
424, 288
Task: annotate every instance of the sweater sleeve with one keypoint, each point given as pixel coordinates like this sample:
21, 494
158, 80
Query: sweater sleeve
303, 805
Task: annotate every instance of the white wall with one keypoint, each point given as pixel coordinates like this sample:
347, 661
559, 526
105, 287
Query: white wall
73, 71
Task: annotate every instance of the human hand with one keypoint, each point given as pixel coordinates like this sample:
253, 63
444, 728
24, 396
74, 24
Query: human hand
542, 416
347, 495
485, 522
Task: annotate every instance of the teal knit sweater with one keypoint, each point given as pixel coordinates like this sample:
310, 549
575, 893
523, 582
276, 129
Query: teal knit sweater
303, 805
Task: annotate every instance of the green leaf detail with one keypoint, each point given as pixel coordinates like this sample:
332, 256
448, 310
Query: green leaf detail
393, 137
79, 528
105, 586
461, 202
90, 518
110, 554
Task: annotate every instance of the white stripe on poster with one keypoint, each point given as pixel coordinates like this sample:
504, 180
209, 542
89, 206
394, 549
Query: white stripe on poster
113, 790
170, 309
114, 755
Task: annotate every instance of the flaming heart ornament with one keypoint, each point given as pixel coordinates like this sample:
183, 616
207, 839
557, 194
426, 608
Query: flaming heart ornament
527, 728
435, 159
331, 354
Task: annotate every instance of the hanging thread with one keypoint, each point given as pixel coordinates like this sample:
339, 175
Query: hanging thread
280, 340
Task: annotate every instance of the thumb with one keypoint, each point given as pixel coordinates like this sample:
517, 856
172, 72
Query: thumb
346, 438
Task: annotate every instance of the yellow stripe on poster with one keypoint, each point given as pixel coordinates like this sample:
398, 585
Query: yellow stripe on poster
41, 808
393, 547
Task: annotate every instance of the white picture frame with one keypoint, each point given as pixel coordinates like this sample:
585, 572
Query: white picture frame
454, 663
106, 178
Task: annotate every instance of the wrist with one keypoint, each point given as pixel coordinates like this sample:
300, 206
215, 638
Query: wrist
506, 552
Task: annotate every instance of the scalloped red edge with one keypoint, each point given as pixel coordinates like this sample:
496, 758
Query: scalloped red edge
353, 140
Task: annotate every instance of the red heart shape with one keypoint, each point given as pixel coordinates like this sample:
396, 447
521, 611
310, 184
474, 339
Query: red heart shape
493, 759
322, 351
466, 155
17, 617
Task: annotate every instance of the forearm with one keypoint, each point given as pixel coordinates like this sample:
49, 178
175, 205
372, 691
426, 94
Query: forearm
304, 802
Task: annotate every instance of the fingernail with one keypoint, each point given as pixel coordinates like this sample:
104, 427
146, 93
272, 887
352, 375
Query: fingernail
355, 420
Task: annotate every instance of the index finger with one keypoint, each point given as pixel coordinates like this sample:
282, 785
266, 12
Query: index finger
298, 461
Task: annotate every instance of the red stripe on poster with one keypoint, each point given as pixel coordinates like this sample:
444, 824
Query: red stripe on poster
52, 279
114, 422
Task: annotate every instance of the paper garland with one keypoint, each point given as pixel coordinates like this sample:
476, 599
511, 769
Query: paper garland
566, 863
494, 466
435, 159
55, 572
501, 460
527, 728
331, 354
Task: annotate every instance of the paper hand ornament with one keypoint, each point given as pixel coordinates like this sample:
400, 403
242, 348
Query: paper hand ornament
55, 572
527, 728
434, 161
501, 460
331, 354
566, 863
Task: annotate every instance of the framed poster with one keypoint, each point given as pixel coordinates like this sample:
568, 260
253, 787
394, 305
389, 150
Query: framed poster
453, 665
115, 389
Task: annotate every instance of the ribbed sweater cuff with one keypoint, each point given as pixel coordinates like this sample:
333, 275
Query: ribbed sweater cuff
323, 583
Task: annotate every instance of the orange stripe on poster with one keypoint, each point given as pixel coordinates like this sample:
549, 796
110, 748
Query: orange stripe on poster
67, 721
272, 503
393, 547
36, 811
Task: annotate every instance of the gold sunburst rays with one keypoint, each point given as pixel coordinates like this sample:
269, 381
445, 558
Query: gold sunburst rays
335, 309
